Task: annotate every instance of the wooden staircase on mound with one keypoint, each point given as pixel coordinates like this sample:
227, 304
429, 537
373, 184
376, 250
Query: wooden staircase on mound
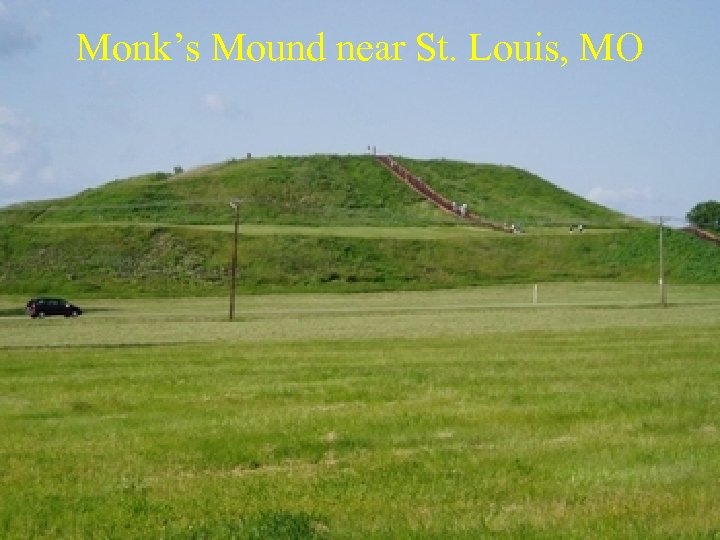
702, 234
418, 185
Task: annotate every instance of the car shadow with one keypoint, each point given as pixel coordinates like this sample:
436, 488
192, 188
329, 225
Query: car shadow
12, 312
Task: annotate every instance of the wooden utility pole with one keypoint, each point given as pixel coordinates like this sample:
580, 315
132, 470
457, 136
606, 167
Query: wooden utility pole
663, 286
235, 204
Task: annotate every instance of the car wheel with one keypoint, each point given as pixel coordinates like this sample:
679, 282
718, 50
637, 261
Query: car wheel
41, 314
74, 313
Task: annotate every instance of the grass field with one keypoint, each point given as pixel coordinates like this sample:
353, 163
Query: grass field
446, 414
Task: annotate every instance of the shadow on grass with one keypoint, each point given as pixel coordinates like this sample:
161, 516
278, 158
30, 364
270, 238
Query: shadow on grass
19, 312
12, 312
267, 525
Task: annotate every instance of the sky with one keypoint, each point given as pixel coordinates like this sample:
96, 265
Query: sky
638, 135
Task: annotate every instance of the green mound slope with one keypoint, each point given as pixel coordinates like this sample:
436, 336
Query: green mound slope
317, 190
508, 194
325, 223
131, 260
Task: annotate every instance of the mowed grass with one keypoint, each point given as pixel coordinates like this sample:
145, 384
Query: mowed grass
408, 314
377, 232
451, 414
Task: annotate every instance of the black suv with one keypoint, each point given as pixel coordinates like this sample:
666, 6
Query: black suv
40, 307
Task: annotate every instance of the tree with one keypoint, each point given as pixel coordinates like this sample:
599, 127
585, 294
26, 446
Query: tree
705, 215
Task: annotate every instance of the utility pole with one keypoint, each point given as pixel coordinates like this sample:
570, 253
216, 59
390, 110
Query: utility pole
663, 287
235, 205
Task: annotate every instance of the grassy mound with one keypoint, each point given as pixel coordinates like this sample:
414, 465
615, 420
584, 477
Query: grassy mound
325, 223
316, 190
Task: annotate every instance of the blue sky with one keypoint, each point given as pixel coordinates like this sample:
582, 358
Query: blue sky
640, 137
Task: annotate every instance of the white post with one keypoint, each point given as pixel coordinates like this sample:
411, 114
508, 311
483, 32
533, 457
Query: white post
535, 294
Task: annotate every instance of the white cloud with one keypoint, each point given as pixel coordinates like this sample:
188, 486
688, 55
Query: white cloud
641, 202
8, 117
47, 175
213, 102
11, 133
9, 145
218, 105
605, 195
10, 178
